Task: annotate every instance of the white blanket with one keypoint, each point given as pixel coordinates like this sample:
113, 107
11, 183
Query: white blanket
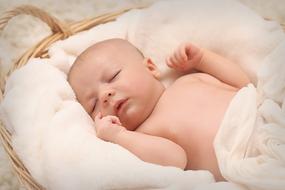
250, 146
54, 136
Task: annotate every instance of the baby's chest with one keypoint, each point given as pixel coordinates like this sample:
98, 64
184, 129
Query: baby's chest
189, 110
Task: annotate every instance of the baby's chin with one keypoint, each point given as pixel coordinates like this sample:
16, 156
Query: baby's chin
132, 121
135, 114
130, 125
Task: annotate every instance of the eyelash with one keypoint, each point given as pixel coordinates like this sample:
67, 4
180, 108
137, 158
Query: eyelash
115, 76
94, 106
110, 81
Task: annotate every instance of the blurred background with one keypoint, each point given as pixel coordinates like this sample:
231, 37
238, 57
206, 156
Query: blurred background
23, 32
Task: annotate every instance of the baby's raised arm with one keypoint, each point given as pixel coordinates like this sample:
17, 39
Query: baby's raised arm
188, 57
148, 148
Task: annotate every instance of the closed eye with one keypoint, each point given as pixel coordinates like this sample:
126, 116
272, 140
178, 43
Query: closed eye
115, 76
94, 106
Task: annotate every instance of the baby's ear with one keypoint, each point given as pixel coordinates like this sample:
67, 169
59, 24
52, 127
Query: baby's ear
151, 67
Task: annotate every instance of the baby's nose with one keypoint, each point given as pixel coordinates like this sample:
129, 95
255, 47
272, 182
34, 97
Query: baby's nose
107, 96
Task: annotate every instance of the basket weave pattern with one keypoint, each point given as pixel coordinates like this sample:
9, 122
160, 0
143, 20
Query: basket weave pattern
60, 31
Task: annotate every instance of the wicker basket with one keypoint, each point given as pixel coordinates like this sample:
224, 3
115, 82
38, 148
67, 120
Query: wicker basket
59, 31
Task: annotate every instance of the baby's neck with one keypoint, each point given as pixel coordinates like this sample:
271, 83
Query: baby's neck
149, 121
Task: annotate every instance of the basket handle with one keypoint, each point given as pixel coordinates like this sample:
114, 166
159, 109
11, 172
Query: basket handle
54, 24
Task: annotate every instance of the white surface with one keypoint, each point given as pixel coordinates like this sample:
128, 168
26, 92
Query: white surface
22, 32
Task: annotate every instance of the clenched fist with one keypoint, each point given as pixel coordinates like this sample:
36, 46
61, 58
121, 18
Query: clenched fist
185, 58
107, 127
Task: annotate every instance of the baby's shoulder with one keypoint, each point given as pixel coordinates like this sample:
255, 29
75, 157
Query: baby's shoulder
189, 78
151, 127
197, 77
203, 79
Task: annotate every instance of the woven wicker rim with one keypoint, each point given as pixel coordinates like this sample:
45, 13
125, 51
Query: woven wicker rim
59, 30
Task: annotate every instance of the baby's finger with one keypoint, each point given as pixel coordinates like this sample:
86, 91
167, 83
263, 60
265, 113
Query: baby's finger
168, 62
182, 53
177, 57
174, 63
178, 54
188, 51
115, 120
98, 117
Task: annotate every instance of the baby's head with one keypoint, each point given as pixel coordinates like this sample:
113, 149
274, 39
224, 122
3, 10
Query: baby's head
114, 78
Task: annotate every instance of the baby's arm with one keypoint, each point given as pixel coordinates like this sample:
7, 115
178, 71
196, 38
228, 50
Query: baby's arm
188, 57
223, 69
148, 148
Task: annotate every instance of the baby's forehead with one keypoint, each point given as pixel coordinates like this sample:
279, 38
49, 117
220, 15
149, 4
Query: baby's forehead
106, 51
108, 46
97, 53
111, 47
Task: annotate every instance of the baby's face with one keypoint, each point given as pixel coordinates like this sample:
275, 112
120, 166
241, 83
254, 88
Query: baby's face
114, 81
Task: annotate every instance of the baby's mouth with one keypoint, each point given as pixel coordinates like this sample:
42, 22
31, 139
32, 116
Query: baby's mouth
119, 105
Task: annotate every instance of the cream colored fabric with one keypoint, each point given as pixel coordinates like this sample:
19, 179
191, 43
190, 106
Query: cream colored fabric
53, 135
250, 144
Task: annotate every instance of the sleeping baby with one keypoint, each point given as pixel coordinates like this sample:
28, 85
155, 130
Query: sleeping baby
175, 126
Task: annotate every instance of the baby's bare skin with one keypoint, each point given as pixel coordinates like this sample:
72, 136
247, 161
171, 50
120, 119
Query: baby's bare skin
177, 116
176, 126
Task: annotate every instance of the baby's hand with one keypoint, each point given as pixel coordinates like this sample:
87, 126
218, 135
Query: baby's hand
108, 127
186, 57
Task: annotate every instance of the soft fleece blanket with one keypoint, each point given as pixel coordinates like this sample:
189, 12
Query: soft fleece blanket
251, 145
55, 139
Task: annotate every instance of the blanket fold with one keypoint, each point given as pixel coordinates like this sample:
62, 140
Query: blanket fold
250, 146
54, 136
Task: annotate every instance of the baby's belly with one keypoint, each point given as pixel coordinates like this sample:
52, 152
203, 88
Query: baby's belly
196, 112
